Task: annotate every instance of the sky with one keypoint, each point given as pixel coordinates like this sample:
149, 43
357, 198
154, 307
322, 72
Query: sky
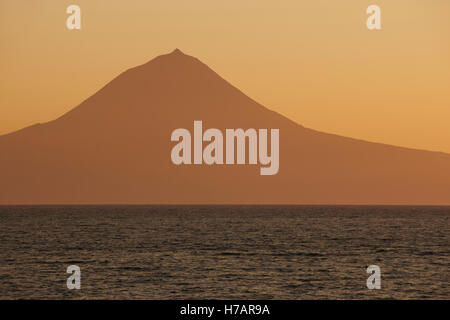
313, 61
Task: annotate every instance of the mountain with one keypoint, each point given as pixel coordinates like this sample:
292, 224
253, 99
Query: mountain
115, 147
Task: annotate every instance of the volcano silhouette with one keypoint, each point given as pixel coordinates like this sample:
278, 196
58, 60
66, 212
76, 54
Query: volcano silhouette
114, 148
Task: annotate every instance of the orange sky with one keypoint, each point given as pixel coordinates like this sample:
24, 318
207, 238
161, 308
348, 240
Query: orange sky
313, 61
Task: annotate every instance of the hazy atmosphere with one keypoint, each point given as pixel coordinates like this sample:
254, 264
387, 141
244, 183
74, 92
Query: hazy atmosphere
313, 61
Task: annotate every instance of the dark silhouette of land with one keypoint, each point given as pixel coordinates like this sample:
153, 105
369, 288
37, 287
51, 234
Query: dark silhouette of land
115, 148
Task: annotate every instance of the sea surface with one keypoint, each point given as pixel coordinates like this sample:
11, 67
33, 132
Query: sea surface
224, 252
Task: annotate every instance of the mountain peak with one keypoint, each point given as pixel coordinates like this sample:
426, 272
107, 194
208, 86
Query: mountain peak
177, 51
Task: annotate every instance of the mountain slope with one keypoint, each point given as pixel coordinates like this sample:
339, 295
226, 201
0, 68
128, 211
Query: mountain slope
115, 148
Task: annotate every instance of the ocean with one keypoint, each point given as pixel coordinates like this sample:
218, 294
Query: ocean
224, 252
